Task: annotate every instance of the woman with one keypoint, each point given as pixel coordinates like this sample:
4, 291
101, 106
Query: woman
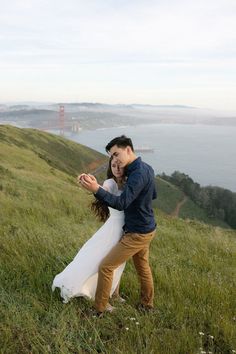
79, 278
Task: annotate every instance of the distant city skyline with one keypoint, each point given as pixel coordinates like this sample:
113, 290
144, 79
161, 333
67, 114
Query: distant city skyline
145, 51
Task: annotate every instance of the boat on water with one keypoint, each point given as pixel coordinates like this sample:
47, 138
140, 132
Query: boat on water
144, 149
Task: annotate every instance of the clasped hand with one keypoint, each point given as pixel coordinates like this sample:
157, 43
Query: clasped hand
88, 182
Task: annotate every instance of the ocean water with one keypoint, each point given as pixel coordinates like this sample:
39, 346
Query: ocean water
206, 153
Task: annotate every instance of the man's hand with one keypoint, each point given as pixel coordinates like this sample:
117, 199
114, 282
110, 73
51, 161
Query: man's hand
88, 182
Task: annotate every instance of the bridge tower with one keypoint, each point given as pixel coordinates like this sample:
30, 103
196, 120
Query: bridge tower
62, 120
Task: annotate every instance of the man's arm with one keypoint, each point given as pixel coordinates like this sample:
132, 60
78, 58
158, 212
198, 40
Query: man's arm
133, 187
88, 182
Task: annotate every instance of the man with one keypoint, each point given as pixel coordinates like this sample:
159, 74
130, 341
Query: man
139, 227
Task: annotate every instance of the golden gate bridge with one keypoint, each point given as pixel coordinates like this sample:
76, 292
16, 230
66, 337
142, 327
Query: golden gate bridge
62, 124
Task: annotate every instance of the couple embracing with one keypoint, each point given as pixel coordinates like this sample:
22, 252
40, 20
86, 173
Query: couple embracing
96, 270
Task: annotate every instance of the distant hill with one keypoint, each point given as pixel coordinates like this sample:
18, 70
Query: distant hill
169, 196
99, 105
97, 115
216, 202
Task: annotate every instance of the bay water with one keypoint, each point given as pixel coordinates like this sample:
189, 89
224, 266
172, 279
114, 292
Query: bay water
206, 153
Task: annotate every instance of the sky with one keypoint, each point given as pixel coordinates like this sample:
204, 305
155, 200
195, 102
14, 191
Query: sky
119, 51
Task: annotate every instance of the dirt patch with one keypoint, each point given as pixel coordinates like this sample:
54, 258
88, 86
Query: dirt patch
175, 213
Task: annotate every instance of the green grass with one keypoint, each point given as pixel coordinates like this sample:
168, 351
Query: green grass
56, 151
168, 196
192, 211
45, 218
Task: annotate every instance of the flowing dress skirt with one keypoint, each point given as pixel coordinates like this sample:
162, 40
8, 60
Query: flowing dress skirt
79, 278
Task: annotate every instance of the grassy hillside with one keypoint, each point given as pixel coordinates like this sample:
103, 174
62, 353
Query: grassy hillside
192, 211
168, 198
45, 218
63, 155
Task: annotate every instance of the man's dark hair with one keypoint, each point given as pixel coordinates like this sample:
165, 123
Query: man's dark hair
121, 141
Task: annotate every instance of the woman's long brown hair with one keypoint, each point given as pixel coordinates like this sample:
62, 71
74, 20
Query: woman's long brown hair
99, 208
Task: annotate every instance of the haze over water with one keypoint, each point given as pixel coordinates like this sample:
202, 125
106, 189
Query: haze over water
206, 153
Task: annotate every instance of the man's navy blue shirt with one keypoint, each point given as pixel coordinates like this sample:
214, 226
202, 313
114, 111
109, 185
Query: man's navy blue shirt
136, 199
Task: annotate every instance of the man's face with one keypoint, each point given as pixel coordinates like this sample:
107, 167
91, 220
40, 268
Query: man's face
120, 155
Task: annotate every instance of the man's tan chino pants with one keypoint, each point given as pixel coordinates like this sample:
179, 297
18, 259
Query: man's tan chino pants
131, 245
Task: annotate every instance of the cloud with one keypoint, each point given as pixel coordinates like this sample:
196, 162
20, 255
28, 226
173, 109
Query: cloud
174, 30
148, 43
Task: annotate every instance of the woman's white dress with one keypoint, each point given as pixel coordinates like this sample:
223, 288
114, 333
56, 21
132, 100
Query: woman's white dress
79, 278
